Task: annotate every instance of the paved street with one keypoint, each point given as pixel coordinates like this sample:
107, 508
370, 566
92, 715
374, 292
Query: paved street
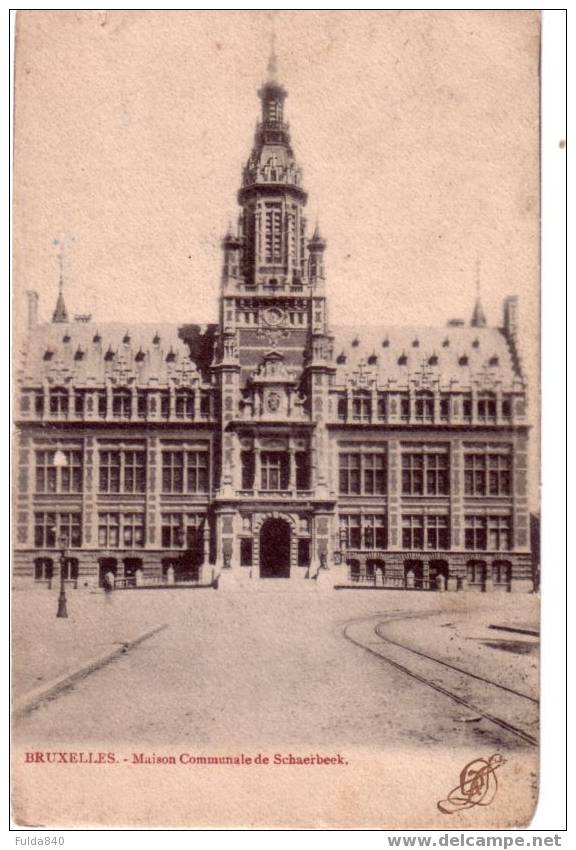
269, 671
273, 667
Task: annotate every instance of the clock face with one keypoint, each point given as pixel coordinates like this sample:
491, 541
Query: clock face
273, 315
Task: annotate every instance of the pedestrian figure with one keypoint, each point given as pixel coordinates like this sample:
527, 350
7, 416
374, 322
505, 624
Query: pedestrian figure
440, 582
410, 579
108, 584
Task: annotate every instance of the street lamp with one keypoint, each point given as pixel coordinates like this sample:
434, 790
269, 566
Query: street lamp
60, 461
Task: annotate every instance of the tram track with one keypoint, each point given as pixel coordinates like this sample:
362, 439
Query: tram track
509, 709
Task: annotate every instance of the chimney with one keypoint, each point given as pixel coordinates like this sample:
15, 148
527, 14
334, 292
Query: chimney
32, 309
511, 316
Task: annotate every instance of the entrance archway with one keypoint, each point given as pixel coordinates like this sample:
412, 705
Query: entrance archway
275, 549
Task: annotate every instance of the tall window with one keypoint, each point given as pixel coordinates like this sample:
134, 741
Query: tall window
121, 403
362, 473
185, 471
142, 404
488, 532
273, 233
184, 404
120, 530
64, 479
487, 473
444, 408
350, 534
342, 407
50, 528
59, 401
361, 406
437, 532
405, 407
122, 471
499, 537
363, 532
302, 471
424, 407
274, 470
102, 404
382, 407
425, 472
475, 532
247, 460
413, 532
467, 407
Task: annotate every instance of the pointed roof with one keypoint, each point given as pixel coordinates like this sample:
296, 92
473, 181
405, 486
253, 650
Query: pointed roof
60, 313
478, 319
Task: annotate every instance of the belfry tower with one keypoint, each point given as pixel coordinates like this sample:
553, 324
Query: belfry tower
274, 351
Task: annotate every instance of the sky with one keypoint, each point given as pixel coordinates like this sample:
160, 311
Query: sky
417, 133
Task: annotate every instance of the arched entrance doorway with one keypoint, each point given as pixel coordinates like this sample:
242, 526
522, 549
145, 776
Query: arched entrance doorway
275, 549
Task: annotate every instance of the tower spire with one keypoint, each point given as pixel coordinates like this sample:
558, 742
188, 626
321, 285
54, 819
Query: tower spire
272, 67
478, 317
60, 314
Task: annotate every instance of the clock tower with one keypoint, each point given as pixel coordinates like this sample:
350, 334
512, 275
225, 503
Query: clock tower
273, 356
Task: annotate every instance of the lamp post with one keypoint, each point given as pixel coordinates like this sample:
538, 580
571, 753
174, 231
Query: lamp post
60, 461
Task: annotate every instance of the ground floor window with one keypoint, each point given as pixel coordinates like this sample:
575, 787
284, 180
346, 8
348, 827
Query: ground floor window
43, 569
501, 572
476, 572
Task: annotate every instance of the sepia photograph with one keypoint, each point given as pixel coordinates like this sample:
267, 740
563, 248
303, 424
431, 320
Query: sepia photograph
276, 517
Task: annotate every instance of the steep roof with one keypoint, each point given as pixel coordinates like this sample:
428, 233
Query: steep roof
88, 353
456, 356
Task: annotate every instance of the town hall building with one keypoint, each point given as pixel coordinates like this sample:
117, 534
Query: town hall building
272, 445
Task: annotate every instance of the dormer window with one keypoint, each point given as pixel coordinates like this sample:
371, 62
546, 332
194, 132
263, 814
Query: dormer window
66, 338
139, 356
446, 343
170, 357
494, 361
355, 342
79, 354
385, 343
109, 356
415, 343
48, 354
96, 338
433, 360
156, 340
476, 343
463, 361
341, 359
372, 360
126, 339
403, 359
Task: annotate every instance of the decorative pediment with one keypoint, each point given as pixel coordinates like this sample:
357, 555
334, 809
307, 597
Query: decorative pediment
273, 370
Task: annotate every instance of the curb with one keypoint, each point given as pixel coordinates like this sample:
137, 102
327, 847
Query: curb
25, 704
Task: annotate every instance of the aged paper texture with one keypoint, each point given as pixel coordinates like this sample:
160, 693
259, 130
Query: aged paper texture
276, 475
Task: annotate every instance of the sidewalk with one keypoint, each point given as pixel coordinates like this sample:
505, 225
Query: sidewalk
46, 648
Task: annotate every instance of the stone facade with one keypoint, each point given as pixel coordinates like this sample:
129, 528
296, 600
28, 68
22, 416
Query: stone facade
272, 444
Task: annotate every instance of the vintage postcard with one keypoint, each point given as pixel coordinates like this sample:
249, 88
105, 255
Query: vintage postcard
276, 491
